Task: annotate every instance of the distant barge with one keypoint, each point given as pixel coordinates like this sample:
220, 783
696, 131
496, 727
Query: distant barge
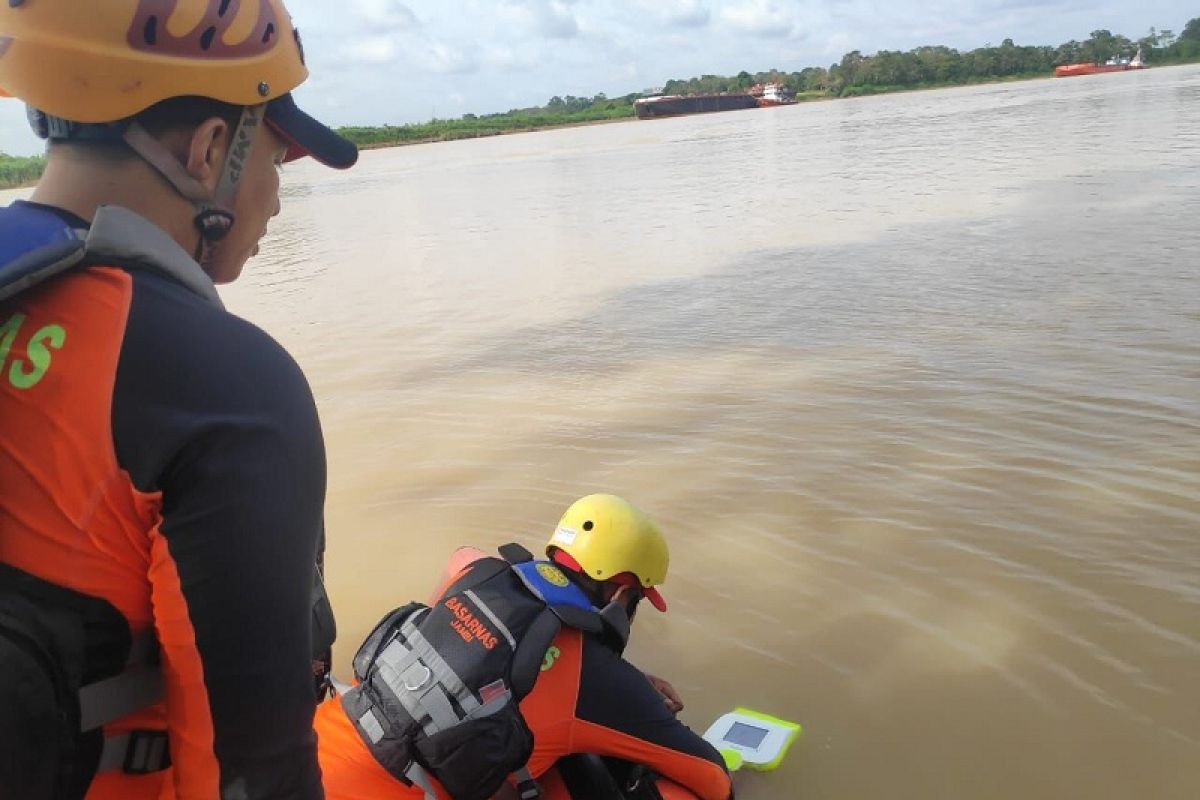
674, 105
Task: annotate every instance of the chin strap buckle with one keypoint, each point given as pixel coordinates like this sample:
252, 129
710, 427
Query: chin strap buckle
214, 224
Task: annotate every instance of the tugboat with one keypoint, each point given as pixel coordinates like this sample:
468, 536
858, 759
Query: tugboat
1112, 65
772, 94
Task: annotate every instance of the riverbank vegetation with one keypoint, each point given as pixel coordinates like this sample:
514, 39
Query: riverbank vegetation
854, 75
19, 171
559, 112
937, 66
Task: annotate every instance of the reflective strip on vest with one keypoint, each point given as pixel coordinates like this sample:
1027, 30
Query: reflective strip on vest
487, 612
370, 723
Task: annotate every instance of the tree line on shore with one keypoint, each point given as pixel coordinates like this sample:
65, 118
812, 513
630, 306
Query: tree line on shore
890, 70
20, 170
856, 74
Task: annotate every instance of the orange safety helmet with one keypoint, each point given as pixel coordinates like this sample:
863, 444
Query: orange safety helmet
105, 62
102, 62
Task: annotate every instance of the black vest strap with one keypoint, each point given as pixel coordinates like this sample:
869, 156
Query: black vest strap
616, 627
514, 553
482, 570
576, 617
527, 660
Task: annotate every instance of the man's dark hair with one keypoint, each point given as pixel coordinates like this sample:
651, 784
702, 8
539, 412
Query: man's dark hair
165, 116
186, 112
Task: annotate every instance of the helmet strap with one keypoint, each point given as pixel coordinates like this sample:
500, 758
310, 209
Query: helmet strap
214, 210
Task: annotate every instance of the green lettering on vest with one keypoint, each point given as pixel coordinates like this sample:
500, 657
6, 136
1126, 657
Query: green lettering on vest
39, 356
8, 332
551, 656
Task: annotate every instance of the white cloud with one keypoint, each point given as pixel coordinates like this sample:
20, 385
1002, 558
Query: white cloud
373, 50
444, 58
384, 15
677, 13
838, 44
554, 19
761, 18
509, 60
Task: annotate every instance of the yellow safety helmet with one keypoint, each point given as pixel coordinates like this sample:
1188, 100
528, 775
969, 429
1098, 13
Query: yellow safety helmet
608, 538
103, 62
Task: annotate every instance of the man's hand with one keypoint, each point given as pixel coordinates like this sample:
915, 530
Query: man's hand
670, 697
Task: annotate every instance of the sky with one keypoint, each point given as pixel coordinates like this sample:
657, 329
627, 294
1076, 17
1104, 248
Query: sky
376, 62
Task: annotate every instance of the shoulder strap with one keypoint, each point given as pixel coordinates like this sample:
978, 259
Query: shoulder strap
546, 581
482, 570
616, 627
514, 553
531, 651
35, 245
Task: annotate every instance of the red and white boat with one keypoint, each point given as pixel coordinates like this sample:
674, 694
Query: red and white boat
1112, 65
772, 94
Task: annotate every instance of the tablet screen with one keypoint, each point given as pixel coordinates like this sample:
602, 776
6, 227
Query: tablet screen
745, 735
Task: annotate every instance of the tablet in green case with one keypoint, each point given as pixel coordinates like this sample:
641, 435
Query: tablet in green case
752, 739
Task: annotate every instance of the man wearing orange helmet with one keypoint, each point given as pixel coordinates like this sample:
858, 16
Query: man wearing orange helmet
585, 697
162, 471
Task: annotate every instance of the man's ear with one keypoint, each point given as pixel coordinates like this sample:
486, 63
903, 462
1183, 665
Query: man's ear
206, 151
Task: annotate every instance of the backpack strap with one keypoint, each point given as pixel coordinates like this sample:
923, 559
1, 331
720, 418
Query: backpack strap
527, 787
416, 775
139, 686
567, 601
531, 652
616, 627
482, 570
514, 553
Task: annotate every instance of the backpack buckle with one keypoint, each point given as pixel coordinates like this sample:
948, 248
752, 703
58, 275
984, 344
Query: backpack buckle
146, 752
527, 788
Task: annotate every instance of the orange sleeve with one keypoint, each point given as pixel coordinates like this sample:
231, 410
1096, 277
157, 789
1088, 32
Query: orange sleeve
590, 700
